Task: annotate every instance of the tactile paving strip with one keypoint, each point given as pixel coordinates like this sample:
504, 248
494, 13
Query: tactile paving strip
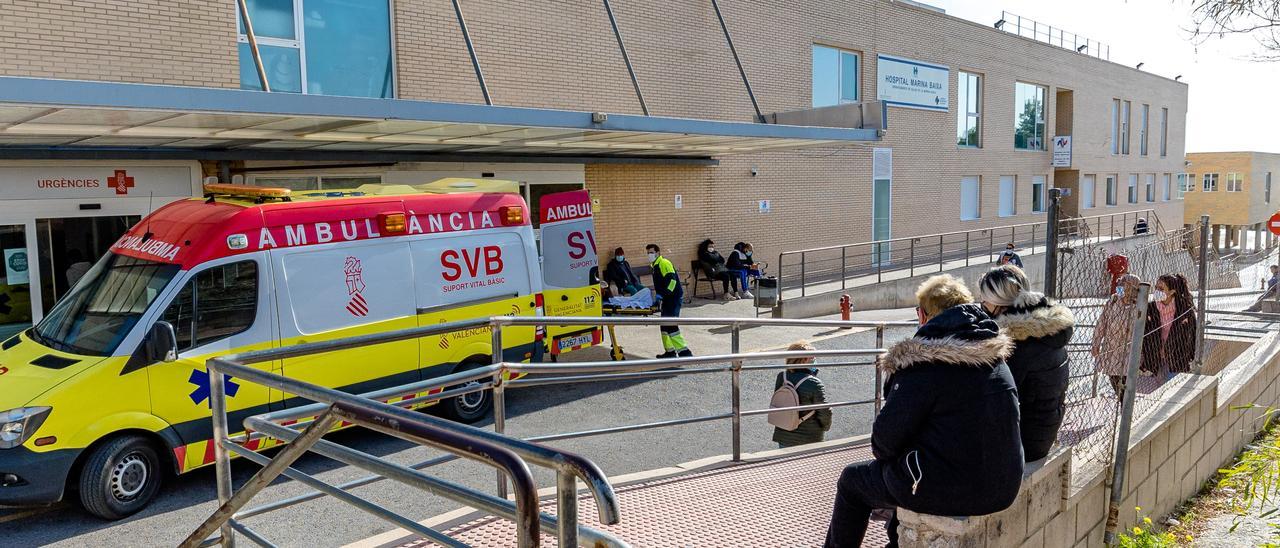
784, 502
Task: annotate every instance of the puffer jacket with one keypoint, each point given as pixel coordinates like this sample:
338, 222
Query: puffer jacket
947, 435
811, 392
1040, 329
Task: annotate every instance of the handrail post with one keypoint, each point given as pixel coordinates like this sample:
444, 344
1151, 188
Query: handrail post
940, 266
1204, 292
567, 509
735, 372
803, 267
499, 396
843, 262
222, 459
1139, 320
911, 259
966, 248
991, 242
879, 388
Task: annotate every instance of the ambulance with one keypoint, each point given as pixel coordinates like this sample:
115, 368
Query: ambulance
109, 393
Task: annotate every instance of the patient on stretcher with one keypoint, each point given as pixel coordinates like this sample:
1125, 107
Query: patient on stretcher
641, 299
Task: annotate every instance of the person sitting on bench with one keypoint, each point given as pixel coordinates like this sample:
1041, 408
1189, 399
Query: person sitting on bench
619, 273
742, 265
713, 263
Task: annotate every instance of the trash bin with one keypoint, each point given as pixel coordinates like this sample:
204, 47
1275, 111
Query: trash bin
766, 292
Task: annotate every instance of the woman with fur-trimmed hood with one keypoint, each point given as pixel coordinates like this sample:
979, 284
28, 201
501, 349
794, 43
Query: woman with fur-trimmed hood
1040, 329
946, 440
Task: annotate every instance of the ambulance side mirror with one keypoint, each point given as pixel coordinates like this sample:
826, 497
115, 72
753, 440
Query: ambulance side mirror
162, 343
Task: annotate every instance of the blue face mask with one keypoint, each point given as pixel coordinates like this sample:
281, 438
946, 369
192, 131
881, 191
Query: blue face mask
620, 258
1120, 290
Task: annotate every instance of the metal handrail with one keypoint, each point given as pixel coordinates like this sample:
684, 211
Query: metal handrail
494, 377
933, 251
1013, 23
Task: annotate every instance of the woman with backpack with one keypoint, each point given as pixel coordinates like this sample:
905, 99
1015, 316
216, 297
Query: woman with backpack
800, 384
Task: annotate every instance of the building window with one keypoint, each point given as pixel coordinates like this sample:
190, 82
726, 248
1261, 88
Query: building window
1184, 184
1124, 127
1142, 130
1268, 188
1028, 128
1037, 193
317, 182
1166, 185
970, 198
1164, 132
1115, 126
1235, 182
1087, 191
1111, 189
968, 114
1151, 187
835, 76
1133, 188
324, 47
1210, 182
1191, 182
1008, 195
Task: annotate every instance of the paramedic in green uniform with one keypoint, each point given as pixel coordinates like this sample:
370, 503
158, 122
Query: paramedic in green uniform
666, 282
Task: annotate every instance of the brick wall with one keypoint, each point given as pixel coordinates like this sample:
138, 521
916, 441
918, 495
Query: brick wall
1247, 207
182, 42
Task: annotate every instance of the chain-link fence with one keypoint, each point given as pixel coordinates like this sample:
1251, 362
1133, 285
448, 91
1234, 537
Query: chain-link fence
1099, 281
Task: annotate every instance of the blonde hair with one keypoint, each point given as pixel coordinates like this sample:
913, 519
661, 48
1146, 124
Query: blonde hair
799, 346
1002, 285
941, 292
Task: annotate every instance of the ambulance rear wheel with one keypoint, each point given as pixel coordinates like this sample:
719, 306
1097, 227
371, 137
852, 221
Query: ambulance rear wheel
120, 477
471, 407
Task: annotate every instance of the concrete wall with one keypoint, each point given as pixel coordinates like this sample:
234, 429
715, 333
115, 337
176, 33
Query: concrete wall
1191, 429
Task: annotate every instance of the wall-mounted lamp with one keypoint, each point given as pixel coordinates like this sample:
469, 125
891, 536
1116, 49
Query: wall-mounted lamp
1139, 67
755, 171
1082, 48
1176, 78
1000, 23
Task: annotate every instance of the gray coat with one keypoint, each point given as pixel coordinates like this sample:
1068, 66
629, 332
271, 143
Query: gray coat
811, 392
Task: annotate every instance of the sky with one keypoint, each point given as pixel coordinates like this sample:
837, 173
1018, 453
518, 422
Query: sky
1231, 104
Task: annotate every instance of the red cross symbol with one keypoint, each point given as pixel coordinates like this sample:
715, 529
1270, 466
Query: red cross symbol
121, 181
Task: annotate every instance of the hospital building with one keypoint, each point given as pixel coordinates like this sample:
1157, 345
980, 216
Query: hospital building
789, 125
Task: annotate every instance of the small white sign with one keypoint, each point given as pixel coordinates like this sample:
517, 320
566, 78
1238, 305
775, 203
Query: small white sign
679, 201
912, 84
765, 206
1062, 151
16, 269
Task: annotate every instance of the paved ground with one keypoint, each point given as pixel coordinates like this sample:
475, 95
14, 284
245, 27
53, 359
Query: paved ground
186, 501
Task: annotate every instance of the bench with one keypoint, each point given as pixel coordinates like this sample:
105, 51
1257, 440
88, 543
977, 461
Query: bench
698, 274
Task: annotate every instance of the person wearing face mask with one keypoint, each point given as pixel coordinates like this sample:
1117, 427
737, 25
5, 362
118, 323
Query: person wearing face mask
743, 266
713, 263
666, 283
1111, 337
619, 273
1040, 329
1170, 343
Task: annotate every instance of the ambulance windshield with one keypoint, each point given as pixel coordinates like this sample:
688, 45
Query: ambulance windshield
104, 305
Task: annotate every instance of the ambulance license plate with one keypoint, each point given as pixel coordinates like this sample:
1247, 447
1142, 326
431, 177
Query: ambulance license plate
567, 343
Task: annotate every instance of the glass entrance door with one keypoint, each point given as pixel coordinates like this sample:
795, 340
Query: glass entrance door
15, 281
69, 246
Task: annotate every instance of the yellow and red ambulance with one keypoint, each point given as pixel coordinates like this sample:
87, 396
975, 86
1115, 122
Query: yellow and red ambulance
90, 403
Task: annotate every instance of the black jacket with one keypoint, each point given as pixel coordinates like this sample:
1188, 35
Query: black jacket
711, 261
950, 418
739, 260
1040, 329
619, 273
1172, 355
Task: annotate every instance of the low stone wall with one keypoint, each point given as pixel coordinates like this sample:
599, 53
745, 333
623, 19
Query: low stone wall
1191, 428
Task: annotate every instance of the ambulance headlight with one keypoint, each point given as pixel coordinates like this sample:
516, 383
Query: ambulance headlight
16, 425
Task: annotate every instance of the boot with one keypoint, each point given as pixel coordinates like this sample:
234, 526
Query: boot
666, 355
686, 353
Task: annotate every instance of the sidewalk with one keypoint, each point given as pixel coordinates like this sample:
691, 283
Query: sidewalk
711, 502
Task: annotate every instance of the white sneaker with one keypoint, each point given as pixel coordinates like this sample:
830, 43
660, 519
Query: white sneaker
747, 295
729, 297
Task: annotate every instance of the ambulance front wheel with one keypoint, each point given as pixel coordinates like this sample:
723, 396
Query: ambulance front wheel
120, 477
471, 407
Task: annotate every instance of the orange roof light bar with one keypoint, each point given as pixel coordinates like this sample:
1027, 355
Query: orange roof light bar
246, 191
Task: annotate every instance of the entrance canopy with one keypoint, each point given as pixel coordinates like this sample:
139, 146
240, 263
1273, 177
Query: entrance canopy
53, 119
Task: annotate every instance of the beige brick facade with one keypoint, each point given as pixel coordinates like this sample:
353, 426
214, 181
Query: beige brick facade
563, 54
1251, 205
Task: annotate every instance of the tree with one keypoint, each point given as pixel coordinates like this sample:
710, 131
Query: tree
1259, 19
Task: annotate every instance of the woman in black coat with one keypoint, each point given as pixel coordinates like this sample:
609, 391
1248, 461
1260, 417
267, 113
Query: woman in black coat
1169, 346
1040, 329
714, 264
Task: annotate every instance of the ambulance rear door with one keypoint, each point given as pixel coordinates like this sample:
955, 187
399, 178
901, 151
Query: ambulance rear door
570, 268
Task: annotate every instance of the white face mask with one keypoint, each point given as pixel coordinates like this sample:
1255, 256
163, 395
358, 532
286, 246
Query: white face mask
653, 257
1161, 296
711, 250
